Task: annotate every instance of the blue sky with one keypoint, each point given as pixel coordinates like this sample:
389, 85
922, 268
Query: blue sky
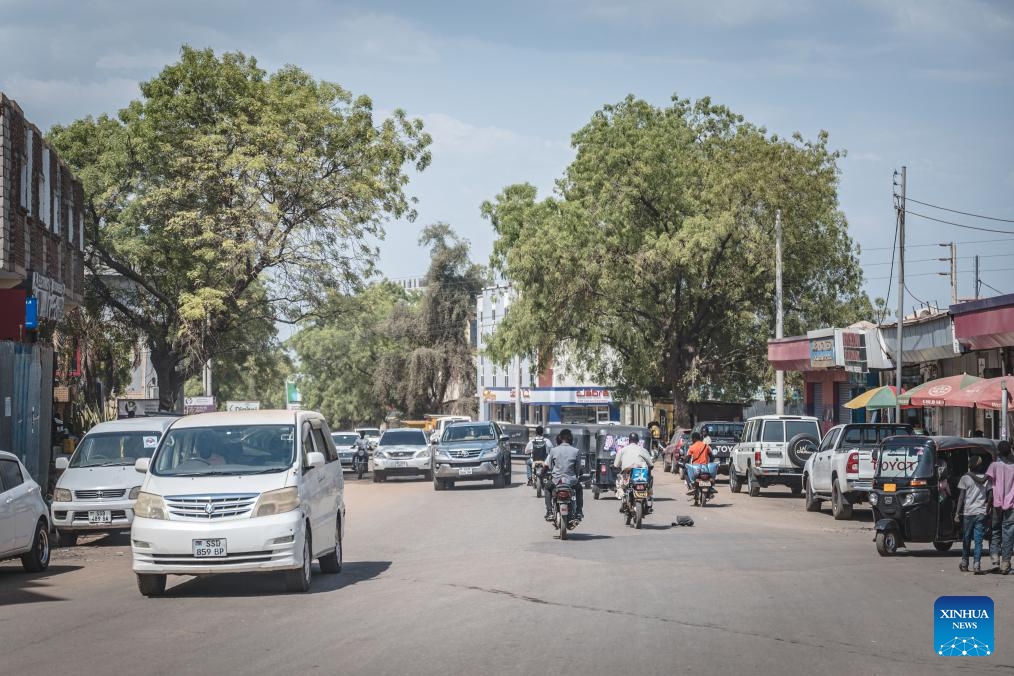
501, 87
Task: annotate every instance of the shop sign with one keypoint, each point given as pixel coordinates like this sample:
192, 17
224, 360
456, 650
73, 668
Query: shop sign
192, 405
592, 393
136, 408
854, 349
822, 352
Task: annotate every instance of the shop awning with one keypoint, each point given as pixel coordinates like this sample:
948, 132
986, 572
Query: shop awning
790, 354
985, 324
926, 338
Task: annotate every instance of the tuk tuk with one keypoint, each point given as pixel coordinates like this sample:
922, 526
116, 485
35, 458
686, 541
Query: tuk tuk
609, 440
915, 488
584, 436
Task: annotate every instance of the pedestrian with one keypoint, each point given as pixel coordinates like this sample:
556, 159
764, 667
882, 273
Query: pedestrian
974, 505
1001, 475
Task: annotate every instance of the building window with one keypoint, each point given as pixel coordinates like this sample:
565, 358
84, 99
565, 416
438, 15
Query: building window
494, 377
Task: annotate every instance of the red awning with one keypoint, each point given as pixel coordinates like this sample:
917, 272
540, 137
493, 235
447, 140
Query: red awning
984, 325
790, 354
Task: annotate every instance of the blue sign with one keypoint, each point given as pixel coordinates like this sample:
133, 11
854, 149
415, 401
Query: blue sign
31, 313
963, 626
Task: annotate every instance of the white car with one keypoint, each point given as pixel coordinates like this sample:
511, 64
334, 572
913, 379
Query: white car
403, 451
241, 491
345, 442
24, 519
773, 450
97, 489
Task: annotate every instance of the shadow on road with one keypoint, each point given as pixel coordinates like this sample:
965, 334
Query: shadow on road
17, 586
99, 540
571, 535
239, 585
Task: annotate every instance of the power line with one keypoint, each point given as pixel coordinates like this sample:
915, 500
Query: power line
991, 287
927, 260
916, 246
887, 301
960, 225
919, 300
963, 213
931, 274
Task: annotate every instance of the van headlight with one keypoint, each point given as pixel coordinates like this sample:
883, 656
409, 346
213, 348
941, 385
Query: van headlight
277, 502
134, 493
149, 506
61, 495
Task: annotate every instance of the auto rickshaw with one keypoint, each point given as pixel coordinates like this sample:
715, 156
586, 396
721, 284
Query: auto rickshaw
915, 489
608, 442
584, 441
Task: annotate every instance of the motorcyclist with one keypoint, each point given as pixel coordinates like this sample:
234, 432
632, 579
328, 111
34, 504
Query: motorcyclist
699, 453
630, 456
537, 450
565, 463
362, 444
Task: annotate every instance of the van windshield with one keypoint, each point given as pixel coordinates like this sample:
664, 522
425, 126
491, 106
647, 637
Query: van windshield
219, 450
459, 432
110, 449
904, 461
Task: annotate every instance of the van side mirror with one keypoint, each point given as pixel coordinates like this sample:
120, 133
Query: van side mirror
62, 463
141, 465
315, 459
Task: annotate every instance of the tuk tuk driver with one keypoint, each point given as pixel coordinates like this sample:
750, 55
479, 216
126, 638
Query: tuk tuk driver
630, 456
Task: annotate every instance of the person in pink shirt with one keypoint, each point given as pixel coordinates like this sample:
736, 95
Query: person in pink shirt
1001, 474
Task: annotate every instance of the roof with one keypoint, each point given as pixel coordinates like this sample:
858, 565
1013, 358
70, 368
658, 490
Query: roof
948, 443
141, 424
774, 416
223, 418
982, 304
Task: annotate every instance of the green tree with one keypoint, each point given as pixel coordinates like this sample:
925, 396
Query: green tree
654, 262
440, 364
223, 181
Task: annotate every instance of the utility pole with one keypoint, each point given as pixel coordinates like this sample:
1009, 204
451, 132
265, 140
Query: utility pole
978, 284
779, 328
954, 270
899, 352
517, 390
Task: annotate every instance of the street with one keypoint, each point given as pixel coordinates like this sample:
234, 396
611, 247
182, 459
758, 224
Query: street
472, 581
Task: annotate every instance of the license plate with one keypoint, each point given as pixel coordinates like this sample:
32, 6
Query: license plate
100, 516
465, 471
564, 508
641, 495
400, 463
704, 484
890, 488
210, 549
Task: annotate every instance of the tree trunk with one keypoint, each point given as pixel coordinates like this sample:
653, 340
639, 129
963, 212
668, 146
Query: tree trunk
680, 407
170, 380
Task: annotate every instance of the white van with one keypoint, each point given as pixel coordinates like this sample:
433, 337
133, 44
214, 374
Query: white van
241, 491
97, 489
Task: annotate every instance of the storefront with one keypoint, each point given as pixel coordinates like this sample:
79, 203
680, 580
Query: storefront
984, 335
540, 406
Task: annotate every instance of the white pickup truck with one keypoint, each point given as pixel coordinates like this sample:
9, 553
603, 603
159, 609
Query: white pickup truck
841, 470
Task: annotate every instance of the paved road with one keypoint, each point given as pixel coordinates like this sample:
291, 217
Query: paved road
472, 581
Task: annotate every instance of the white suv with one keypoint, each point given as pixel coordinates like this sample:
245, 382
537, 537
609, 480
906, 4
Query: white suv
24, 519
242, 491
773, 450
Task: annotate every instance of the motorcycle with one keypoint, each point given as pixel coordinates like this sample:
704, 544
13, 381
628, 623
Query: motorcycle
564, 510
360, 462
704, 483
636, 503
540, 481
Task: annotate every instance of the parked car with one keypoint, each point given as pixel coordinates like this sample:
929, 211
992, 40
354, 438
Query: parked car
677, 444
345, 443
403, 451
442, 422
723, 437
98, 486
372, 435
241, 491
471, 451
24, 518
773, 451
842, 468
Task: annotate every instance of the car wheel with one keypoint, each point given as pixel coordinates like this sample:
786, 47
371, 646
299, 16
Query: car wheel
596, 492
887, 543
735, 485
377, 476
428, 475
508, 478
942, 546
498, 481
841, 510
753, 486
151, 584
438, 484
332, 563
37, 558
796, 490
68, 539
298, 580
812, 501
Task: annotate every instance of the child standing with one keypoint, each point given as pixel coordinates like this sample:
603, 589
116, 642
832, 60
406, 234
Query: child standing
974, 504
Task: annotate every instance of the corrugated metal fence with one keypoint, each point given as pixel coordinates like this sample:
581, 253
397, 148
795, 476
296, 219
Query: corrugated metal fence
26, 397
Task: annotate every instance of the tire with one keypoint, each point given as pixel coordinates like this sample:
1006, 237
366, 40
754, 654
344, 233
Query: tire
332, 563
378, 476
753, 487
298, 580
841, 510
812, 501
562, 522
800, 448
735, 485
438, 484
638, 514
538, 487
151, 585
629, 516
704, 497
36, 559
427, 475
68, 539
887, 543
596, 493
498, 481
508, 479
942, 546
666, 466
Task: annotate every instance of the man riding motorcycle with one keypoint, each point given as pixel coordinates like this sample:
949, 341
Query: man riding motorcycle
564, 461
699, 453
630, 456
537, 450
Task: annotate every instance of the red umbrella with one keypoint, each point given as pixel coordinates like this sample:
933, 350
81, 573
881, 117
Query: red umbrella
938, 392
983, 394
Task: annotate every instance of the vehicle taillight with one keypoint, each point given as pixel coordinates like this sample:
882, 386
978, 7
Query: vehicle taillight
602, 469
756, 457
852, 466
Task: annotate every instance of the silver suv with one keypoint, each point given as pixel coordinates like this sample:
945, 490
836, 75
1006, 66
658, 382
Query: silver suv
773, 450
471, 451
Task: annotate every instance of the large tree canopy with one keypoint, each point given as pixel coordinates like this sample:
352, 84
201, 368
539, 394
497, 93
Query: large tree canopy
224, 181
654, 262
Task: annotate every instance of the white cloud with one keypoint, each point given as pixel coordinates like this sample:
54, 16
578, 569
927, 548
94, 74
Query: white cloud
144, 59
452, 135
46, 102
929, 19
721, 12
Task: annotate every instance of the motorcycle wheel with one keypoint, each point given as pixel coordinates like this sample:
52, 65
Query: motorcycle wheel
563, 525
538, 488
361, 472
628, 514
704, 498
638, 514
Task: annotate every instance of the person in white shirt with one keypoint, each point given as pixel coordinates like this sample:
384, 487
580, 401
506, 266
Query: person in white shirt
630, 456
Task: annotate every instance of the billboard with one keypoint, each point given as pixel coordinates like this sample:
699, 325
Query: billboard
242, 405
136, 408
192, 405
